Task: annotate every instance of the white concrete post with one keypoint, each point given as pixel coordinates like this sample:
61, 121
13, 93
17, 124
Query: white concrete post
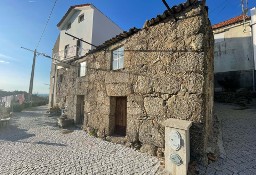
177, 146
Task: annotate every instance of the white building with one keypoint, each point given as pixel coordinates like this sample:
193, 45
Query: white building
234, 63
88, 24
85, 22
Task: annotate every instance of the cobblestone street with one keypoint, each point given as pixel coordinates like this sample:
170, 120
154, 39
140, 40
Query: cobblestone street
33, 144
239, 141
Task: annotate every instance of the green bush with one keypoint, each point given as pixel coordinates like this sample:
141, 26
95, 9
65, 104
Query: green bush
26, 105
39, 103
16, 107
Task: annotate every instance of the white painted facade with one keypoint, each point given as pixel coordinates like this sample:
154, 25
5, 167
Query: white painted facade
235, 53
233, 49
253, 25
95, 29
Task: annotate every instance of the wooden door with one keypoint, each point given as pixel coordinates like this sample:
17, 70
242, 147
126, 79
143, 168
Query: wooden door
81, 112
80, 109
121, 116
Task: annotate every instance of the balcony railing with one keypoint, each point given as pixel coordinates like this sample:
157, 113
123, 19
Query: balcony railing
69, 53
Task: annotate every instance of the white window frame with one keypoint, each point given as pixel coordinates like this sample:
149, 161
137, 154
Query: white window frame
82, 69
118, 58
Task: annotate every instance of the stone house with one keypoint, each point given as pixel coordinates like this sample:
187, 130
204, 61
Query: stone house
234, 62
138, 79
85, 22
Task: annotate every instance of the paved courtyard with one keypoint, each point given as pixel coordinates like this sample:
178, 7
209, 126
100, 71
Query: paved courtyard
239, 141
33, 144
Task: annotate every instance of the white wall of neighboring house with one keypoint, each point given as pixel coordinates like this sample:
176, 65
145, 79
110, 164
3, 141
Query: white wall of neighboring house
103, 28
95, 29
253, 24
235, 54
81, 30
233, 49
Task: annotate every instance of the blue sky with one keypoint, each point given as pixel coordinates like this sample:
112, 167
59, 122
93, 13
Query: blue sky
22, 22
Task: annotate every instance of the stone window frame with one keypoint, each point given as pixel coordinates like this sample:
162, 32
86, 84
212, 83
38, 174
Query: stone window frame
81, 18
118, 57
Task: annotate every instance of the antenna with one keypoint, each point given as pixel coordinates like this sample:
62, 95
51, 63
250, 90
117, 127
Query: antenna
244, 4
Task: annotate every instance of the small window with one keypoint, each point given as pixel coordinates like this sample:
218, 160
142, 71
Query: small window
66, 51
82, 69
60, 79
78, 48
118, 58
69, 26
80, 18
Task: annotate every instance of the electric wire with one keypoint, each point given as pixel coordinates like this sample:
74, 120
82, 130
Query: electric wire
223, 6
47, 22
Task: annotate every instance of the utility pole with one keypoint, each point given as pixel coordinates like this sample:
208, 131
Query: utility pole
244, 4
33, 69
32, 79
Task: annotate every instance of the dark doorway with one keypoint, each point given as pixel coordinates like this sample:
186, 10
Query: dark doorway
52, 97
78, 48
121, 116
80, 110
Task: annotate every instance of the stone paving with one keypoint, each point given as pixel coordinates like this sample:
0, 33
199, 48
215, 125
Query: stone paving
33, 144
239, 142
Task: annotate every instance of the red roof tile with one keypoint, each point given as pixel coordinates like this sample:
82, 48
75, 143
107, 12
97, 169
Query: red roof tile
69, 10
230, 21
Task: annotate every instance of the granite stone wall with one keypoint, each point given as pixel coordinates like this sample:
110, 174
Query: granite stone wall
168, 73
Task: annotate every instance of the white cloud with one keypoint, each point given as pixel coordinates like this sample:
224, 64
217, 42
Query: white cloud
4, 62
31, 1
3, 56
6, 59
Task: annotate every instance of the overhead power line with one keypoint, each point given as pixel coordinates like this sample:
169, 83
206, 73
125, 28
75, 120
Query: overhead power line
36, 53
40, 39
81, 40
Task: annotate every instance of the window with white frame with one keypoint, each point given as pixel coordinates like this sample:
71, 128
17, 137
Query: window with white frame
82, 69
80, 18
118, 58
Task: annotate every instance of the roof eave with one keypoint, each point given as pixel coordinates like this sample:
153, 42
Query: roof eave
68, 13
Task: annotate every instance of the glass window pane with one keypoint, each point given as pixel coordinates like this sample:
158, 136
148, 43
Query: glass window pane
115, 65
121, 62
82, 69
115, 55
121, 49
118, 58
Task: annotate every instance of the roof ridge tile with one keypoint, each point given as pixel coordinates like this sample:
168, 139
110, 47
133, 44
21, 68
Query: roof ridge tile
230, 21
159, 18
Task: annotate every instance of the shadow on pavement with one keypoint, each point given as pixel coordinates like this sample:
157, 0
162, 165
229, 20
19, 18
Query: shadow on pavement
52, 144
44, 143
13, 133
